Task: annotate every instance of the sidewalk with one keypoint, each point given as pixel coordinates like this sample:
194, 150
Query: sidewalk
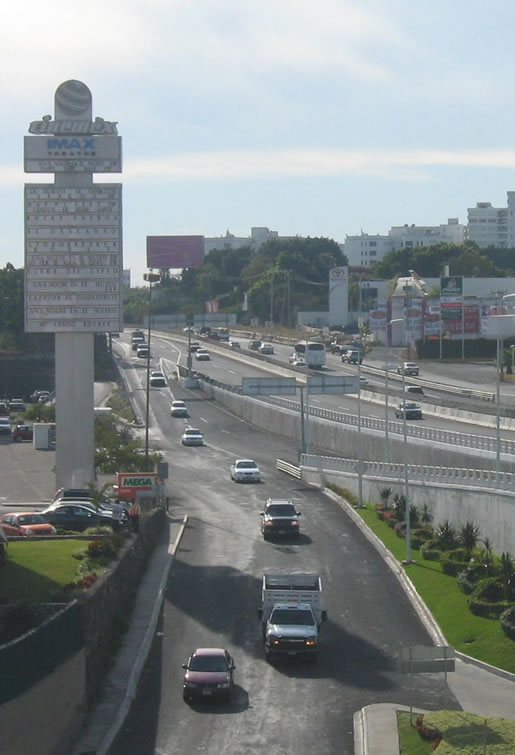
104, 722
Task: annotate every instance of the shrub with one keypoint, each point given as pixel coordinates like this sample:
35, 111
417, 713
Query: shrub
400, 529
426, 515
469, 578
380, 515
99, 530
487, 610
384, 494
490, 590
104, 548
468, 537
388, 518
452, 566
508, 622
430, 554
428, 733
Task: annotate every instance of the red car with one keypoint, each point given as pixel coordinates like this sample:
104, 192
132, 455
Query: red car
25, 524
209, 673
23, 432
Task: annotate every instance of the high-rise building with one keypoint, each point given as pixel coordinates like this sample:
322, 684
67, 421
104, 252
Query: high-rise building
488, 226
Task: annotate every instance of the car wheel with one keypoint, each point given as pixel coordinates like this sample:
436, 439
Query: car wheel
186, 697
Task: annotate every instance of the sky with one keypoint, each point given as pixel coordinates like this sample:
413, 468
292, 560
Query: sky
316, 118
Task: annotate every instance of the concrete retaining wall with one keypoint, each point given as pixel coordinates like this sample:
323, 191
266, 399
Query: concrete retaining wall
494, 514
342, 440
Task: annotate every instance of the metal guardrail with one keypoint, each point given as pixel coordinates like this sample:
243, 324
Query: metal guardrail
292, 469
465, 392
433, 434
422, 472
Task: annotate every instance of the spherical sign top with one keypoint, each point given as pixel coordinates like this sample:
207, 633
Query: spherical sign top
73, 100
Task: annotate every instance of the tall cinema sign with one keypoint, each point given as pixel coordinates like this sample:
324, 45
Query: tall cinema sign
73, 227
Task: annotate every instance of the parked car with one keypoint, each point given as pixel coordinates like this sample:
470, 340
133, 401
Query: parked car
234, 344
77, 516
83, 497
4, 409
245, 470
178, 409
192, 437
202, 355
412, 410
26, 524
209, 675
17, 405
157, 379
23, 432
35, 396
254, 344
143, 351
408, 368
280, 517
5, 428
266, 348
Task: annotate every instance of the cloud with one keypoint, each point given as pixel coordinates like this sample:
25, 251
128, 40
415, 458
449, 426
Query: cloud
243, 165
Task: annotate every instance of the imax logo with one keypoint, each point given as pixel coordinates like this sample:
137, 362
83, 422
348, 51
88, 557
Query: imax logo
74, 143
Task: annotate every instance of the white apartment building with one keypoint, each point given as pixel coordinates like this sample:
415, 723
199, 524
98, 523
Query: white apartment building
364, 250
488, 226
258, 236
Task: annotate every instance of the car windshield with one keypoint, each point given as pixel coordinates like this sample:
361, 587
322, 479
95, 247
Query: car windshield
281, 509
411, 406
31, 519
246, 464
178, 404
208, 663
288, 616
192, 432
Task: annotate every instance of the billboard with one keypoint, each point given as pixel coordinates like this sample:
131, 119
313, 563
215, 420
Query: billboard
452, 316
451, 288
174, 252
377, 318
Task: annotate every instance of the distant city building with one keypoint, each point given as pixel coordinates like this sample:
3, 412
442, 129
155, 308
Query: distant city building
258, 236
364, 250
126, 278
488, 226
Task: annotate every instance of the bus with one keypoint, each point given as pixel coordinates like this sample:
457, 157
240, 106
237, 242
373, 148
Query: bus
313, 353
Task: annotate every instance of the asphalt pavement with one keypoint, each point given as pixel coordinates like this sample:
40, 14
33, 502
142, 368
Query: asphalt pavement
27, 476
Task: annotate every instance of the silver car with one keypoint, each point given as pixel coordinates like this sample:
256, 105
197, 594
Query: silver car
245, 470
192, 437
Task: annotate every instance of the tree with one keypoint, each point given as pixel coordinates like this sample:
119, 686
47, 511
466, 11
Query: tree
468, 537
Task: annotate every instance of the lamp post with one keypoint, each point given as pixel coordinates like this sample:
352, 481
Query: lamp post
387, 368
150, 278
406, 480
512, 347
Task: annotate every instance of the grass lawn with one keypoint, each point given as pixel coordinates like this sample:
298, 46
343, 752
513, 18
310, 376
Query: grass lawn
35, 569
476, 636
463, 734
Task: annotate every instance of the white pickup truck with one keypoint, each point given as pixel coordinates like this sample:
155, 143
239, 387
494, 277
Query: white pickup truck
291, 614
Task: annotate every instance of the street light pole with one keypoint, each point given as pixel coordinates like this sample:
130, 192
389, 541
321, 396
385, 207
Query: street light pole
406, 477
150, 278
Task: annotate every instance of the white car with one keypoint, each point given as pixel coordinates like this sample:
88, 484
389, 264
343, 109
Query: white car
178, 409
157, 379
202, 355
298, 361
192, 437
245, 470
363, 380
234, 344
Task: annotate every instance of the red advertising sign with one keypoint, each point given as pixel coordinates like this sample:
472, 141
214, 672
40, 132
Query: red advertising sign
174, 252
452, 317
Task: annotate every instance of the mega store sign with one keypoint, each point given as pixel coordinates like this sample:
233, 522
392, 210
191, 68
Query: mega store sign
129, 483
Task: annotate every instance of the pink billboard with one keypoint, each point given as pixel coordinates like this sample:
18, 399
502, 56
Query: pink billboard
175, 252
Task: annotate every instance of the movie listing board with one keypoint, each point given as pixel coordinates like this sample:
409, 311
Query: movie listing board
73, 258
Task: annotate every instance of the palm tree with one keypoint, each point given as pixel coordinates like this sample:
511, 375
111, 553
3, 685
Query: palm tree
446, 535
486, 555
426, 515
384, 494
399, 505
468, 537
508, 572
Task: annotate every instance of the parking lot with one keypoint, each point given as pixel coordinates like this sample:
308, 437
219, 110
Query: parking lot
26, 475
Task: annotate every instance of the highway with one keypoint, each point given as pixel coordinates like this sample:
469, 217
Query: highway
213, 594
230, 368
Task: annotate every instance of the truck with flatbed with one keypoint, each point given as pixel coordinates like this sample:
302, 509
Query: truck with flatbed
291, 614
